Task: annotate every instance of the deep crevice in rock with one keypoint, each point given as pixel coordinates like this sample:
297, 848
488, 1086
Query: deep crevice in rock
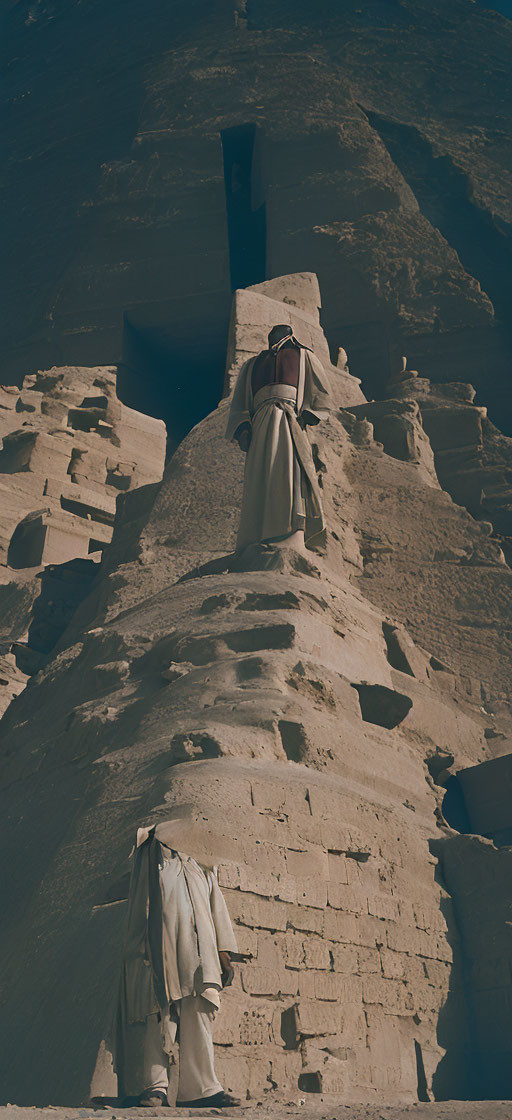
245, 205
395, 653
294, 740
420, 1072
454, 808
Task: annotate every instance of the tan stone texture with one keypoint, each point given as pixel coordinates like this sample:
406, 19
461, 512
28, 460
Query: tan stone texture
287, 709
69, 448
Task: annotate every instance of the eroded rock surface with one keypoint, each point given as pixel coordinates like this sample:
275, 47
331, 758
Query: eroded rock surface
296, 713
473, 459
69, 448
372, 141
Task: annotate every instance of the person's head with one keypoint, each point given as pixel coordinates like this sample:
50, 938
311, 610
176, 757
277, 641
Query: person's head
279, 334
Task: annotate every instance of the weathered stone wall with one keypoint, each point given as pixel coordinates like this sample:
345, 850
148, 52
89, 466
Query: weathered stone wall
69, 448
382, 158
291, 726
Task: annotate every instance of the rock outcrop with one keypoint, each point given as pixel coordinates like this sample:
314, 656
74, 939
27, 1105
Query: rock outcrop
69, 448
367, 143
473, 459
295, 713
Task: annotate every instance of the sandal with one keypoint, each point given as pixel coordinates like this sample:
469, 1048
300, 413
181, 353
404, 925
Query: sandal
219, 1100
153, 1098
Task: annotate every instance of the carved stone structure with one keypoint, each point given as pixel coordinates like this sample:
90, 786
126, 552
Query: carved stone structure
335, 728
69, 448
367, 143
302, 715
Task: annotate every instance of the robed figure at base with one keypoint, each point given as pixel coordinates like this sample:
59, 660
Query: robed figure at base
277, 394
177, 959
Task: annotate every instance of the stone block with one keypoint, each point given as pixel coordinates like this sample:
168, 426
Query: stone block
257, 981
329, 986
344, 896
487, 794
286, 888
393, 965
318, 1018
402, 938
350, 989
285, 1070
229, 875
344, 958
442, 974
308, 829
310, 864
321, 985
271, 951
247, 941
226, 1024
383, 906
337, 867
431, 917
233, 1072
257, 882
260, 981
424, 998
321, 1072
433, 945
250, 910
316, 953
368, 960
255, 1026
305, 918
306, 985
339, 926
370, 931
392, 995
448, 428
294, 950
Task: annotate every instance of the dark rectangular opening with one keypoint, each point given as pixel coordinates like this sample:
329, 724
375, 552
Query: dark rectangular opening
173, 361
245, 204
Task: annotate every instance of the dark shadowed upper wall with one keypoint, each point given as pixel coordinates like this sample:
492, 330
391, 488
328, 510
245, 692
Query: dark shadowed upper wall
380, 159
505, 7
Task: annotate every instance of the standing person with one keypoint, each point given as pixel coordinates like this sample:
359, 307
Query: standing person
277, 394
177, 960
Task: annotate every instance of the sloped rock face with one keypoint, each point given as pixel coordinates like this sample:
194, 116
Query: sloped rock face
69, 448
373, 147
473, 459
279, 709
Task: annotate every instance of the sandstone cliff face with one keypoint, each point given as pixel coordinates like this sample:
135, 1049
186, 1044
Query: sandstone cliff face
168, 160
69, 448
294, 714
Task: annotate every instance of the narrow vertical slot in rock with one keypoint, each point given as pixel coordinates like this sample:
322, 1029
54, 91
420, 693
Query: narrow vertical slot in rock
246, 211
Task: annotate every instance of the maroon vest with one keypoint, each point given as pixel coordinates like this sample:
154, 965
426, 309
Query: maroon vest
281, 368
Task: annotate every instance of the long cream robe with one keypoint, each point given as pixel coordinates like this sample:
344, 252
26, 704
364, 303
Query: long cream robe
281, 491
177, 923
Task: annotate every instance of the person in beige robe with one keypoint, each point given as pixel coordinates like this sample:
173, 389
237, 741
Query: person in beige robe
278, 393
177, 959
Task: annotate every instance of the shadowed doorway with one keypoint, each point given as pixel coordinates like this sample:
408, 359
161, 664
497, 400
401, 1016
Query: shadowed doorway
173, 368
